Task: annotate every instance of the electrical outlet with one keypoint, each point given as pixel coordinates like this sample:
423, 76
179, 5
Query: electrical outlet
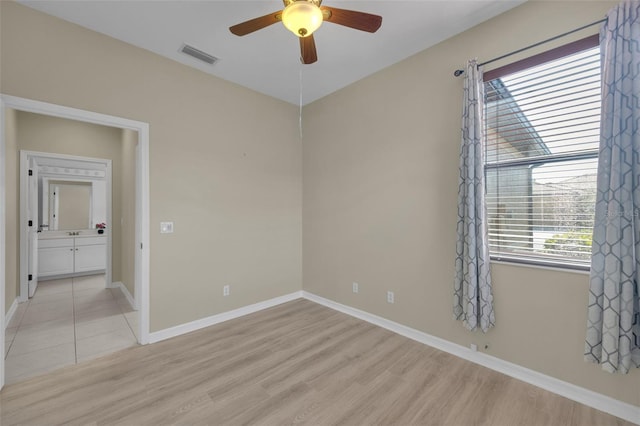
225, 290
390, 297
355, 287
473, 347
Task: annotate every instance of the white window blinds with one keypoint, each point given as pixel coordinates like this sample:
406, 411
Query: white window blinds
542, 130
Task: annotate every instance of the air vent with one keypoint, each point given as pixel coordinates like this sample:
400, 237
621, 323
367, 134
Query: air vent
198, 54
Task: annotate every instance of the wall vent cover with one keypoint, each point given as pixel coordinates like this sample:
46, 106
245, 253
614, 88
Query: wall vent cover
198, 54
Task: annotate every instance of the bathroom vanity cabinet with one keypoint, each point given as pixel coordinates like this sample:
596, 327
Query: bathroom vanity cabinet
71, 255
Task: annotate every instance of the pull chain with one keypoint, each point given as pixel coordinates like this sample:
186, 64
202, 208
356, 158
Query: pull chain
300, 112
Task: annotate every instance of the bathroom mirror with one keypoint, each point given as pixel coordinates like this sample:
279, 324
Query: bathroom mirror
72, 193
69, 205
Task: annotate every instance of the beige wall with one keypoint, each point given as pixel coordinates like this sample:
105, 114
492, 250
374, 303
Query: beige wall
43, 133
379, 206
225, 162
127, 209
12, 224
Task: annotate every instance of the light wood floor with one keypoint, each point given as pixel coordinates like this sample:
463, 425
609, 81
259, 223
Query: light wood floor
297, 363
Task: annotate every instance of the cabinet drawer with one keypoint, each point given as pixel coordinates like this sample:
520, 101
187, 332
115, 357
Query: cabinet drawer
55, 242
90, 241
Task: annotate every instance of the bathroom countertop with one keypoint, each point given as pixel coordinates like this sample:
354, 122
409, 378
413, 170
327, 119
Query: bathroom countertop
48, 235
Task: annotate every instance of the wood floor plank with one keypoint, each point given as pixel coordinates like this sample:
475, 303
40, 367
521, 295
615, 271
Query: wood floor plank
294, 364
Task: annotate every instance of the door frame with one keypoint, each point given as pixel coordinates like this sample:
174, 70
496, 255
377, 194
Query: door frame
141, 213
25, 156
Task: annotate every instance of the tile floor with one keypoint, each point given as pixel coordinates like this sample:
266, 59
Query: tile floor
68, 321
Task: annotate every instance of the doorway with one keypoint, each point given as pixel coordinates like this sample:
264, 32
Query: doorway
63, 200
141, 255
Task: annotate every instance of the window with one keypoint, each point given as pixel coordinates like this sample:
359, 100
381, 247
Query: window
542, 125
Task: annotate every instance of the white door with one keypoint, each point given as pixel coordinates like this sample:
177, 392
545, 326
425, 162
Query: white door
56, 260
32, 229
90, 257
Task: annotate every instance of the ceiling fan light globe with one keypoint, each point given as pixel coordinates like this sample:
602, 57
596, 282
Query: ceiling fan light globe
302, 18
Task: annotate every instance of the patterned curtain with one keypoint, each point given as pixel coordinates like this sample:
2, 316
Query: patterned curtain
473, 298
613, 327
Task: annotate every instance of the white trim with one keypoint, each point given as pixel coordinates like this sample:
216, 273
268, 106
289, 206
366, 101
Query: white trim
535, 266
54, 110
125, 291
144, 220
23, 294
628, 412
75, 274
142, 167
11, 312
3, 235
178, 330
109, 191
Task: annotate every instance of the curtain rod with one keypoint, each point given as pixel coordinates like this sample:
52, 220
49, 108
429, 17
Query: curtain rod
458, 73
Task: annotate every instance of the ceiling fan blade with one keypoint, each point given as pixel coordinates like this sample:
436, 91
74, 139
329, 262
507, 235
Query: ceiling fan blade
256, 24
308, 54
350, 18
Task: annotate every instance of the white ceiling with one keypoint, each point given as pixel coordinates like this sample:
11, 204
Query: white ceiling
268, 60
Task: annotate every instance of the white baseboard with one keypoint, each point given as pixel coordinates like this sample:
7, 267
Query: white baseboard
168, 333
125, 291
11, 312
584, 396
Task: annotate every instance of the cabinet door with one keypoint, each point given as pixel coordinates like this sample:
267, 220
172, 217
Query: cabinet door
55, 261
90, 258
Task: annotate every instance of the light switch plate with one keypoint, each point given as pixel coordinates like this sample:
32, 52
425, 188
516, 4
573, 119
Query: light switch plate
166, 227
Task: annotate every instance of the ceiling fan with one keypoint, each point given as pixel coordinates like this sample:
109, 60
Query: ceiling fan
303, 17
